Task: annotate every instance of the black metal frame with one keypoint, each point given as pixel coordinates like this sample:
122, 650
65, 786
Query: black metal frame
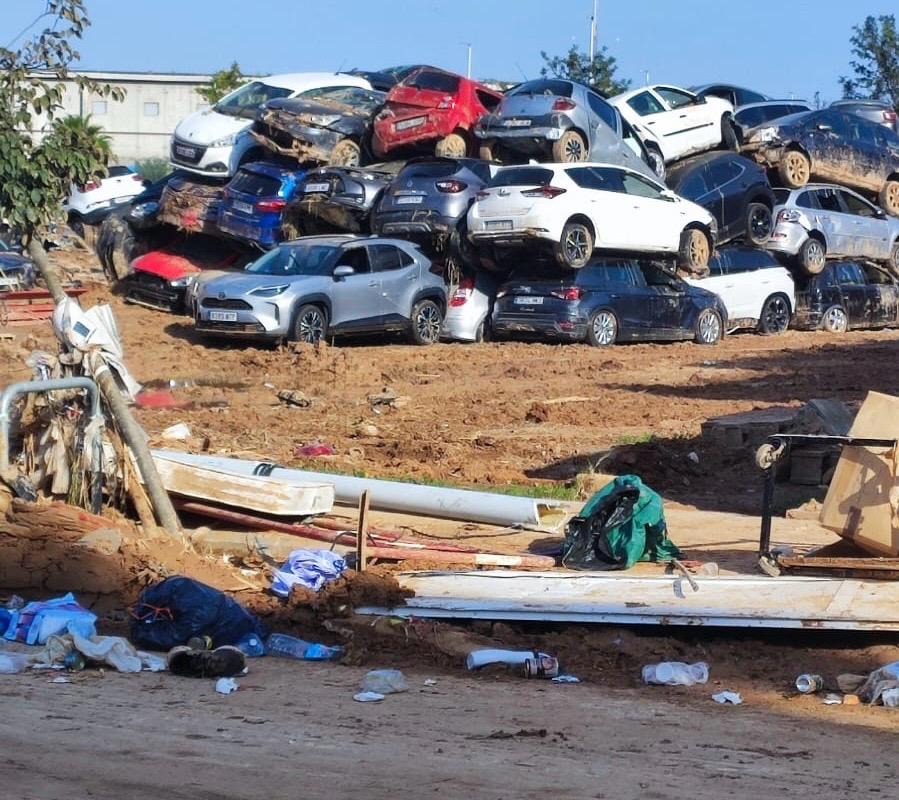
782, 444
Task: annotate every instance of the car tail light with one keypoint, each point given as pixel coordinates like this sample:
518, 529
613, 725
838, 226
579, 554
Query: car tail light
546, 192
889, 116
563, 104
446, 103
787, 215
271, 205
463, 293
571, 294
452, 186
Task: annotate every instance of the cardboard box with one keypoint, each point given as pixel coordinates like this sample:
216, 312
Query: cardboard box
862, 503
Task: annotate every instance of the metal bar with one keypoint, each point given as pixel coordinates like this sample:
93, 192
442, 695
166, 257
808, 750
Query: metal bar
767, 511
11, 392
362, 533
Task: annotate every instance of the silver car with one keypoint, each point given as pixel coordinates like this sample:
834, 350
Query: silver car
872, 110
560, 120
468, 316
821, 221
319, 287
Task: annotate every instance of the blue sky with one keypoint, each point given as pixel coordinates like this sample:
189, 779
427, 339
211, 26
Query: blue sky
780, 48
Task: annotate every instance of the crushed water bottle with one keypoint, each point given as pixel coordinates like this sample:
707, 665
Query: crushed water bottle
676, 673
251, 645
280, 644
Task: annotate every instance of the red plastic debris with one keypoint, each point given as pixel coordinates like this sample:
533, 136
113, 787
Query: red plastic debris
161, 399
315, 449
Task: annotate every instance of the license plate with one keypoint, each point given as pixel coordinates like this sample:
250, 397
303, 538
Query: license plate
316, 187
529, 301
244, 208
517, 123
223, 316
498, 225
405, 124
413, 200
187, 152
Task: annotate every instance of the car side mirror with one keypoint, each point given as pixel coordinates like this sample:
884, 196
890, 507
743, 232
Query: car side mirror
343, 271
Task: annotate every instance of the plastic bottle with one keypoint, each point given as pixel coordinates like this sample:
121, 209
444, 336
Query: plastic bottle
251, 645
676, 673
280, 644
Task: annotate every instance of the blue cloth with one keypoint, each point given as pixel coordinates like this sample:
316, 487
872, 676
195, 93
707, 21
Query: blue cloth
309, 568
37, 621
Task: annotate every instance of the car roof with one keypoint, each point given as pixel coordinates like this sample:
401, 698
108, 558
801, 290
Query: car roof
694, 162
766, 103
861, 102
300, 81
273, 170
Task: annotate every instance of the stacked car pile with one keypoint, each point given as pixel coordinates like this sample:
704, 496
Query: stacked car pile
543, 211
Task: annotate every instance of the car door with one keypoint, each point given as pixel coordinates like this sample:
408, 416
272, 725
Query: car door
398, 275
356, 300
885, 296
602, 201
854, 290
830, 218
655, 221
667, 295
729, 178
872, 229
628, 296
605, 140
687, 121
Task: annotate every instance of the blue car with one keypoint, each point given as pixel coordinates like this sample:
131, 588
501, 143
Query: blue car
254, 202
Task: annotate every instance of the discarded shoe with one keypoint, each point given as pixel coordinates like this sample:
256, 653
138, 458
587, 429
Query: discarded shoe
223, 662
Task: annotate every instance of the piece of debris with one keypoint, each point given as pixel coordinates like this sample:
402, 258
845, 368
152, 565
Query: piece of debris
809, 684
280, 644
734, 698
368, 697
226, 685
384, 681
676, 673
293, 397
314, 450
179, 432
832, 700
566, 679
365, 430
386, 398
311, 569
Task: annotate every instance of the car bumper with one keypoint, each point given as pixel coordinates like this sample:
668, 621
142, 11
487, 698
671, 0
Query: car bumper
569, 329
787, 238
303, 142
213, 162
536, 134
153, 292
263, 320
767, 154
238, 226
427, 221
387, 138
521, 234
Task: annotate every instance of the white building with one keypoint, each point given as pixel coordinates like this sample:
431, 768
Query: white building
141, 125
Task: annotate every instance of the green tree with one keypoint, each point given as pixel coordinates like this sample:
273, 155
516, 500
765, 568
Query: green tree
875, 45
597, 72
79, 133
223, 82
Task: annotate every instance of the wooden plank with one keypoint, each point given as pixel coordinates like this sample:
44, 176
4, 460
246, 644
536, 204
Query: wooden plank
362, 533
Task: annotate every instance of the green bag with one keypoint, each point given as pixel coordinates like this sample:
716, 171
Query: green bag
621, 524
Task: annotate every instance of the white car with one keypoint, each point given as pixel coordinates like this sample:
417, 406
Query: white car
756, 289
680, 122
579, 208
216, 141
90, 204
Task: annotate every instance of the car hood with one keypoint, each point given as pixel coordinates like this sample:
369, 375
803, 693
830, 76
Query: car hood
783, 125
206, 127
241, 283
299, 107
168, 266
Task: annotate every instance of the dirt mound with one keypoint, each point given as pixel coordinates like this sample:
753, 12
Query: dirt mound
374, 587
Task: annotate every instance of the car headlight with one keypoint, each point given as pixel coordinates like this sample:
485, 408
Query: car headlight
269, 291
226, 141
323, 120
766, 135
142, 210
182, 282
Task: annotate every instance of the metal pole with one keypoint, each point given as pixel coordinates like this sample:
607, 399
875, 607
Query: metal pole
593, 30
469, 59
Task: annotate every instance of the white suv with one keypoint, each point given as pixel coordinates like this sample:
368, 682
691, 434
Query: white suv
756, 289
90, 203
579, 208
216, 141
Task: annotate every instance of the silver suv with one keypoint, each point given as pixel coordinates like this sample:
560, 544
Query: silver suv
319, 287
821, 221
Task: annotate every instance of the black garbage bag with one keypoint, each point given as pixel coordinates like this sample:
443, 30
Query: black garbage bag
170, 612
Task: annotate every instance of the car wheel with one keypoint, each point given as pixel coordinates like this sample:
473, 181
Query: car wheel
346, 153
695, 251
775, 316
483, 333
794, 169
759, 224
835, 320
485, 152
452, 146
812, 256
310, 325
575, 248
729, 137
427, 320
657, 162
893, 263
709, 327
570, 146
76, 225
889, 198
602, 330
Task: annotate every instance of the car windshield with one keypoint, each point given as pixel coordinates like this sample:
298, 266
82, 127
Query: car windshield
548, 87
433, 81
522, 176
245, 101
303, 259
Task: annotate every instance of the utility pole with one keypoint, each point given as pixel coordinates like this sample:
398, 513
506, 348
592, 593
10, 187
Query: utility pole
593, 30
468, 45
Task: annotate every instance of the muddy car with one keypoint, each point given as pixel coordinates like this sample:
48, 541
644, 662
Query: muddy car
847, 294
432, 109
385, 79
329, 126
338, 199
832, 146
192, 203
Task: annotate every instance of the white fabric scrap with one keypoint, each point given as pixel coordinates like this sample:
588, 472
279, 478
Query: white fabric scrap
734, 698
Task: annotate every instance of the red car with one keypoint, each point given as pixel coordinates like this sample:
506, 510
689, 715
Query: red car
434, 107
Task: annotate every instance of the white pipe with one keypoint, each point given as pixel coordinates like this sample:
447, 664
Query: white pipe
409, 498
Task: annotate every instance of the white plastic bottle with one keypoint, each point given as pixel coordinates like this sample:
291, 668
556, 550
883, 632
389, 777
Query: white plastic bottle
676, 673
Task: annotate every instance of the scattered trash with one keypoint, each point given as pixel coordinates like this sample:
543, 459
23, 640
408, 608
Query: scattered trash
541, 666
854, 700
74, 661
387, 398
734, 698
251, 645
293, 397
35, 622
384, 681
676, 673
809, 684
879, 682
309, 568
566, 679
890, 698
368, 697
693, 456
226, 685
315, 449
280, 644
12, 663
222, 662
832, 700
849, 683
180, 432
61, 679
161, 399
430, 682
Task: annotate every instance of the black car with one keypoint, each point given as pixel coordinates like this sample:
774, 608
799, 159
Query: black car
339, 199
831, 145
847, 294
385, 79
735, 95
428, 200
731, 188
329, 126
610, 300
751, 116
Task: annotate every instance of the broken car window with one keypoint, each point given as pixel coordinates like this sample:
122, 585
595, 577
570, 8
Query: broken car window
245, 101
